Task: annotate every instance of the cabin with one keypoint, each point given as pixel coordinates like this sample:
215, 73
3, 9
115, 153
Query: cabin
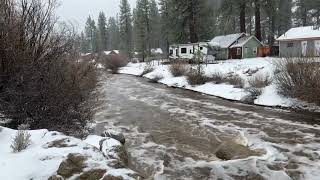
300, 42
220, 45
245, 47
187, 51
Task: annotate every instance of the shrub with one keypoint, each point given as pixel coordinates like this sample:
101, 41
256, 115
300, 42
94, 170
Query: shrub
22, 139
148, 68
260, 81
299, 78
236, 81
217, 78
178, 68
196, 76
42, 81
114, 62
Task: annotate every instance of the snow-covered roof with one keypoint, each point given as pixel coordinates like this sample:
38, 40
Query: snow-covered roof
109, 52
156, 51
242, 41
307, 32
225, 41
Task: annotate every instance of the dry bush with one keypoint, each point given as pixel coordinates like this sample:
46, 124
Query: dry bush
217, 78
148, 68
42, 81
178, 68
22, 139
236, 81
196, 75
299, 78
260, 81
114, 62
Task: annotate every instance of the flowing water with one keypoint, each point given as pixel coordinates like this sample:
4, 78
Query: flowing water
177, 134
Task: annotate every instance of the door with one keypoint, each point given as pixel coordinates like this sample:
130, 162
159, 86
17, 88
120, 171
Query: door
304, 45
317, 47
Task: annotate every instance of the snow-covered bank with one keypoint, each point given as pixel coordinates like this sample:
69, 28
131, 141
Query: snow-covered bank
246, 69
54, 154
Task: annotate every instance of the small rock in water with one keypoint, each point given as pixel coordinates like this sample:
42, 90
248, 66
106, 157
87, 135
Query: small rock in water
117, 136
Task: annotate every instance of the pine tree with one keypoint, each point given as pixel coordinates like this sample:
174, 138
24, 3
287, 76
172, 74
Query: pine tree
142, 28
91, 34
165, 24
125, 27
102, 29
114, 34
154, 25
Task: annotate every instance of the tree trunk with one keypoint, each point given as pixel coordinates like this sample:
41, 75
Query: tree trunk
257, 19
243, 16
192, 22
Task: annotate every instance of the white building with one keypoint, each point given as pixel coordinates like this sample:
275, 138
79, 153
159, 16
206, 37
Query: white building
187, 51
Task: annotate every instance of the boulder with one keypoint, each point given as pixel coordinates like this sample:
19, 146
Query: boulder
113, 149
55, 177
117, 136
74, 164
229, 150
111, 177
93, 174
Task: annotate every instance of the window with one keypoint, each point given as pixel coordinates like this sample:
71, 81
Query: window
201, 48
183, 50
171, 51
238, 51
290, 45
255, 50
190, 51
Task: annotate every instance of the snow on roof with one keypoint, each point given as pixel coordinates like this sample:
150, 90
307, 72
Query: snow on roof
225, 41
242, 41
109, 52
156, 51
307, 32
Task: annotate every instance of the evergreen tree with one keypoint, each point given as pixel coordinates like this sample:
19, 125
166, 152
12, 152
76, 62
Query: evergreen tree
102, 28
165, 22
114, 34
154, 25
142, 28
91, 34
125, 27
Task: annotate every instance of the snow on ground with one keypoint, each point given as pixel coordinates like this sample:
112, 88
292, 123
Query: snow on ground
44, 156
246, 69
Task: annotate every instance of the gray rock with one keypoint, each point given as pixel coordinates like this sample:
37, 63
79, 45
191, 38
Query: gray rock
117, 136
74, 164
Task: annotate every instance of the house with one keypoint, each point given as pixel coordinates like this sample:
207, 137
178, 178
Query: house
187, 51
220, 45
245, 47
300, 42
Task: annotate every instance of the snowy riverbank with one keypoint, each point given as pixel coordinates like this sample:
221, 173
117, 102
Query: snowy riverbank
246, 69
52, 154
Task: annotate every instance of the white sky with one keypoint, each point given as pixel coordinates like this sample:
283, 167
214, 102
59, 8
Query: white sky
77, 11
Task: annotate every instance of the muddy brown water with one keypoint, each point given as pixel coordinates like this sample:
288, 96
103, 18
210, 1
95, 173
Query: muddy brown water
175, 134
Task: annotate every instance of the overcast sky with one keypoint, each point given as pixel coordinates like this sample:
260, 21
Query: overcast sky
77, 11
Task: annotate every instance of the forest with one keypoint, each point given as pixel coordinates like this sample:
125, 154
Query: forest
157, 24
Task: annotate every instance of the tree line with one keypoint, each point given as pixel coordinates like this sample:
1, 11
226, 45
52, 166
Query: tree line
154, 24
